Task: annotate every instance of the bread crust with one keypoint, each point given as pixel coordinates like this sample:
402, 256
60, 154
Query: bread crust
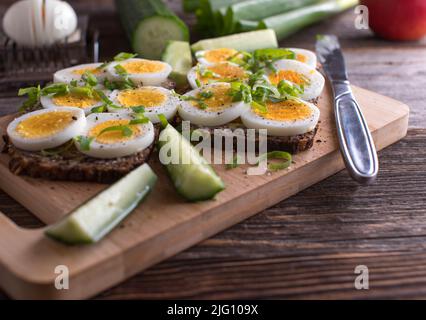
73, 165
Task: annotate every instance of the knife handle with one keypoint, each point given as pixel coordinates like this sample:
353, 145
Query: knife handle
356, 145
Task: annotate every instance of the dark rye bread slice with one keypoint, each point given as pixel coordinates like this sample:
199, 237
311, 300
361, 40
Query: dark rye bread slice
292, 144
73, 165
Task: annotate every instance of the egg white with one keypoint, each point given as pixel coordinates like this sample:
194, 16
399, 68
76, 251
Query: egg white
146, 79
55, 140
311, 58
167, 108
316, 80
201, 117
119, 149
47, 103
253, 120
67, 75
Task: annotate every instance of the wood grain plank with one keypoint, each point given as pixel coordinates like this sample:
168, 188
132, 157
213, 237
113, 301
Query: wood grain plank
309, 245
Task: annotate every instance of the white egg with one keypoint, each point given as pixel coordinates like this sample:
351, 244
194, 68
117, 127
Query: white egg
39, 22
61, 20
18, 23
216, 110
75, 73
213, 56
114, 144
286, 118
46, 128
219, 72
155, 100
141, 71
300, 74
82, 102
305, 56
40, 36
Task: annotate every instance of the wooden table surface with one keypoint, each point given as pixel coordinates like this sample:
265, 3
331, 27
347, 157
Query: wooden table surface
309, 245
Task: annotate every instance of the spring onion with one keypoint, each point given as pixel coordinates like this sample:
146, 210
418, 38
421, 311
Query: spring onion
288, 23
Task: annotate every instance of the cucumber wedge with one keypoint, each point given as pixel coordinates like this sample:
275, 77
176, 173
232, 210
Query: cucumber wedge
246, 41
191, 174
149, 24
99, 215
178, 55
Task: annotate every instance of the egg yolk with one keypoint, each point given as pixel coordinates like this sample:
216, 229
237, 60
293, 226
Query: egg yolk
80, 72
219, 100
301, 58
144, 66
115, 136
74, 100
286, 110
45, 124
224, 71
288, 75
141, 97
219, 55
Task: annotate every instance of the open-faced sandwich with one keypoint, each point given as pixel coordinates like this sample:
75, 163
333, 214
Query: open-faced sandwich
273, 89
97, 122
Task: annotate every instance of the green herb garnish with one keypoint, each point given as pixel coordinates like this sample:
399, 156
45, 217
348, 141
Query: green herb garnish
89, 78
234, 163
124, 56
138, 109
163, 120
126, 131
281, 155
84, 142
33, 97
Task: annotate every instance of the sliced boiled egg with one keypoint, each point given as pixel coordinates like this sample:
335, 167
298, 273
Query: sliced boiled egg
219, 72
283, 118
141, 71
155, 100
71, 99
75, 73
300, 74
210, 105
108, 144
213, 56
305, 56
46, 128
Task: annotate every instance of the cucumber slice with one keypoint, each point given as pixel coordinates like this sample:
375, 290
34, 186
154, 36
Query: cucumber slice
191, 175
246, 41
99, 215
149, 24
178, 55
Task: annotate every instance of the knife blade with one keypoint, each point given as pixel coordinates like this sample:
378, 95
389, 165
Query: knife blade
355, 141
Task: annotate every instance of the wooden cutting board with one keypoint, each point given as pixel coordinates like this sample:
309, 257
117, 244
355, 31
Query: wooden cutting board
164, 224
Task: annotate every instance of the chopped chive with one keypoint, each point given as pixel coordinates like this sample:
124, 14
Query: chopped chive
126, 131
84, 142
138, 109
163, 120
282, 155
124, 56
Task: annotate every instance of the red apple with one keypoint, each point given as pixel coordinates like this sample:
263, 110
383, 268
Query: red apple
397, 19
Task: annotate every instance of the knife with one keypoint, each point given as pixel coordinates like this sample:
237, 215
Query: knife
356, 145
